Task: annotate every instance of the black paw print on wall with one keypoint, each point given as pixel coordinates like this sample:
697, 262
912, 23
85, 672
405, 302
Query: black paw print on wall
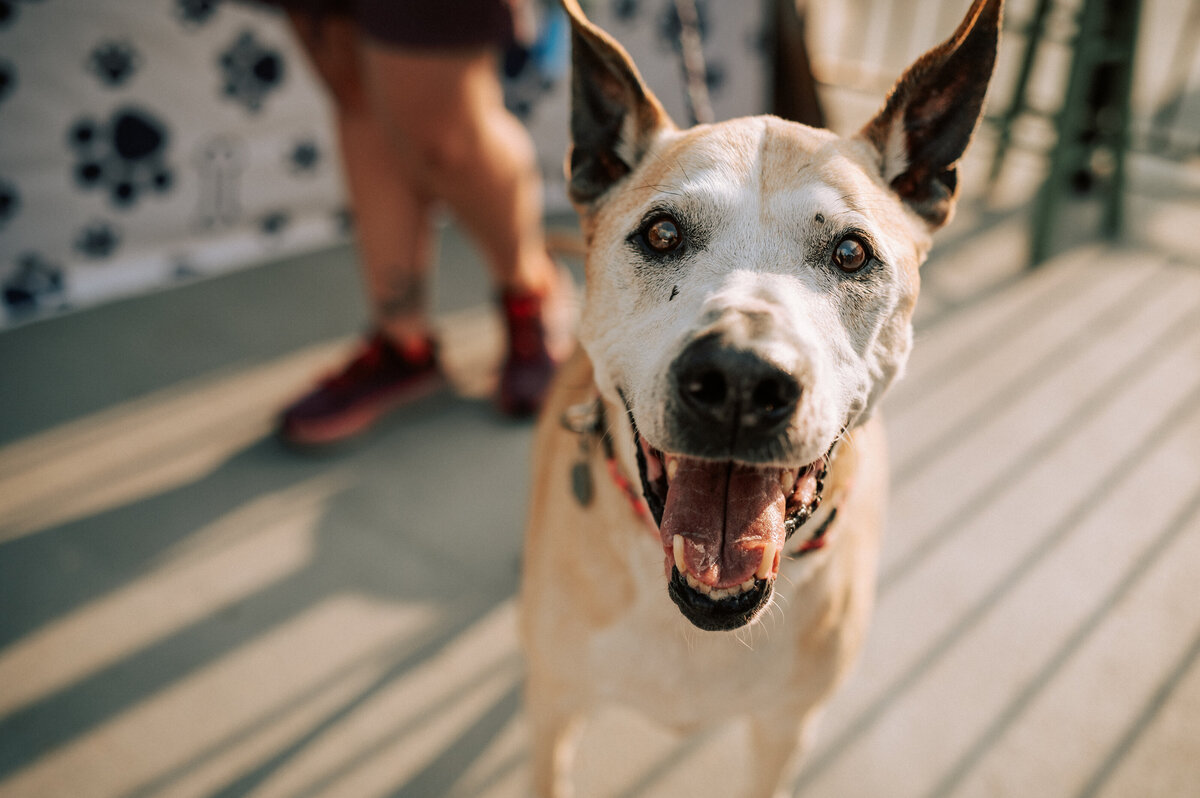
625, 10
99, 240
274, 223
8, 11
304, 157
125, 155
251, 71
113, 62
10, 202
8, 79
35, 284
523, 84
194, 13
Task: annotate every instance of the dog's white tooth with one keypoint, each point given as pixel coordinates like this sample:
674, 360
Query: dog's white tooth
672, 467
748, 585
768, 560
677, 547
693, 582
787, 481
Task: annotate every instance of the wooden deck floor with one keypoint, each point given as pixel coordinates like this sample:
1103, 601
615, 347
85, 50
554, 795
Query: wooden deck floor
231, 622
1038, 625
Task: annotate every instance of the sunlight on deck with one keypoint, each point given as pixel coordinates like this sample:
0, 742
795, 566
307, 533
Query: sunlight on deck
212, 570
143, 447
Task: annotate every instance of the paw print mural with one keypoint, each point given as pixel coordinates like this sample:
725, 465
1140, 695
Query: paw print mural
274, 223
304, 157
9, 10
98, 240
251, 70
625, 10
8, 79
35, 285
113, 63
125, 156
10, 202
194, 13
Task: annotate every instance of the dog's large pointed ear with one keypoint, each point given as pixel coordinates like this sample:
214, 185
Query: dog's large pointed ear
613, 114
930, 116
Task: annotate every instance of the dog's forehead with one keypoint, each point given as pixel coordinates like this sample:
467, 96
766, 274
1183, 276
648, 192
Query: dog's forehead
763, 187
764, 165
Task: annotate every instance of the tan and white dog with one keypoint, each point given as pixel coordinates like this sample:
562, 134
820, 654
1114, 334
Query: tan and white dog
716, 443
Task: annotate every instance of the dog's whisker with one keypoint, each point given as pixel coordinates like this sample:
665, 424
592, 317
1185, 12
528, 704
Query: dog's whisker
774, 611
747, 644
689, 638
660, 188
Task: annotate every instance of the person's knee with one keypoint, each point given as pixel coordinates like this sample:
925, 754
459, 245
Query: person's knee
453, 150
444, 152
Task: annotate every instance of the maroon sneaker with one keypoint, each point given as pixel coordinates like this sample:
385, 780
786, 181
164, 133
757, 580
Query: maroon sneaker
379, 379
529, 367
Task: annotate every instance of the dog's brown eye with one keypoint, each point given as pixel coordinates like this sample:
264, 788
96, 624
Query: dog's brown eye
663, 234
850, 255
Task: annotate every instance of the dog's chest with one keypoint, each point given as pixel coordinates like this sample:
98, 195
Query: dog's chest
653, 660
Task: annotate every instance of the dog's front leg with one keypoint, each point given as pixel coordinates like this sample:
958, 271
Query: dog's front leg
554, 727
778, 743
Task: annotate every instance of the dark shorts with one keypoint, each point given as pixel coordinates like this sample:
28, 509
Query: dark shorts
420, 24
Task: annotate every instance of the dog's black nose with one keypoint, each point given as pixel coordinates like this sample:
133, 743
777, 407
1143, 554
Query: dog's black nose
717, 384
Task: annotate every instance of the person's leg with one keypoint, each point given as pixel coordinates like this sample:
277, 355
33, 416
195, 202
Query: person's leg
392, 215
460, 144
398, 362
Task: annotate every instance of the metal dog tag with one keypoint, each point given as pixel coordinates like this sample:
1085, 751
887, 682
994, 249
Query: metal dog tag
581, 483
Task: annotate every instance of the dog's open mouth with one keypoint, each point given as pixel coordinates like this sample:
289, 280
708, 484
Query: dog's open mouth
723, 527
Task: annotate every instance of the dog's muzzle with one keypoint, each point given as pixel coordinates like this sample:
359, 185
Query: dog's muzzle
724, 504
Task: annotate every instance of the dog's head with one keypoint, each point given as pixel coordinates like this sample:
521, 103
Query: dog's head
750, 286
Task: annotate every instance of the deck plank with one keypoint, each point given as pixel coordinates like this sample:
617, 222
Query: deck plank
939, 587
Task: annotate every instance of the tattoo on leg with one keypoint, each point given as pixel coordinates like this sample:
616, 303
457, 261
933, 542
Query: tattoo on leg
406, 296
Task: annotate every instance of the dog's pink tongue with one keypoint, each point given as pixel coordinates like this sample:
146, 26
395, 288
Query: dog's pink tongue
726, 514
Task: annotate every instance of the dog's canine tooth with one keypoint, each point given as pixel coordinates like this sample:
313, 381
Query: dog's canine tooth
787, 481
768, 560
672, 467
677, 549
